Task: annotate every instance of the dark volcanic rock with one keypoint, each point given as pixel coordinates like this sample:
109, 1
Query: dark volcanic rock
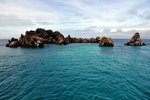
58, 37
104, 41
13, 43
60, 40
135, 41
30, 33
40, 36
42, 33
31, 41
49, 32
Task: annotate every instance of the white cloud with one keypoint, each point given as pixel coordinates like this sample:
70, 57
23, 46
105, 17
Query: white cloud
78, 16
12, 20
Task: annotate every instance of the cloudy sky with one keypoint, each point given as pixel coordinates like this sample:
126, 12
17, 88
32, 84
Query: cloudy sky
79, 18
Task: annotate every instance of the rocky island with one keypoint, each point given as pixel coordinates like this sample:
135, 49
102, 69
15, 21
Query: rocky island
40, 36
135, 41
107, 42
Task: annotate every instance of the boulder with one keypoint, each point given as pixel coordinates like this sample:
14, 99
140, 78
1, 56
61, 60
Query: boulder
135, 41
12, 43
105, 41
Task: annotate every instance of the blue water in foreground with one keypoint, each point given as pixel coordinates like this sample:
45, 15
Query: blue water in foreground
75, 72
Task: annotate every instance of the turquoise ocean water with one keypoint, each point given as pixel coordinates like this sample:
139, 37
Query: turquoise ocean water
75, 72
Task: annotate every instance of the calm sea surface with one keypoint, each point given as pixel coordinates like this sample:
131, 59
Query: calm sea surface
75, 72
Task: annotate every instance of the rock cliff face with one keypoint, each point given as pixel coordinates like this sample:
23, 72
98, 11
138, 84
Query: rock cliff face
106, 42
135, 41
40, 36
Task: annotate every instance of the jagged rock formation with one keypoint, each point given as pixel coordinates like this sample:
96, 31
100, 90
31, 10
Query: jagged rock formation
135, 41
13, 43
37, 38
40, 36
104, 41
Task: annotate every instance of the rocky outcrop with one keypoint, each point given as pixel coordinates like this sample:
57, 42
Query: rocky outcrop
59, 38
31, 41
104, 41
37, 38
40, 36
135, 41
82, 40
12, 43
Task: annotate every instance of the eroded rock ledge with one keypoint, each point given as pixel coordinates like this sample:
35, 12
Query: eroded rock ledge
40, 36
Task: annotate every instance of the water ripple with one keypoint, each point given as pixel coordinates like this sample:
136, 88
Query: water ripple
75, 72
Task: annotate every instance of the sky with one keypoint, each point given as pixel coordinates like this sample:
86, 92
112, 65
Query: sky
79, 18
